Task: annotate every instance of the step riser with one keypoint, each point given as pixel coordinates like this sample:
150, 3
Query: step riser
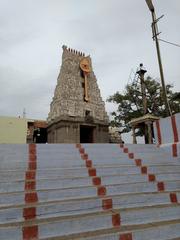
82, 172
43, 196
56, 194
86, 224
86, 206
166, 232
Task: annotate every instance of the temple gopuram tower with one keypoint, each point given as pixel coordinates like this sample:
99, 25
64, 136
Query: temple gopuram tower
77, 111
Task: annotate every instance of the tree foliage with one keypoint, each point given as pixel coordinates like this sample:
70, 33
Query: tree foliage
130, 102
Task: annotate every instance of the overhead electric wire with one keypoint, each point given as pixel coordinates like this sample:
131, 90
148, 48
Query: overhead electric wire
174, 44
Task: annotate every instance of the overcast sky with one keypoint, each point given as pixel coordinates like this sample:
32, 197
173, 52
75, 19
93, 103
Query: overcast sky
116, 33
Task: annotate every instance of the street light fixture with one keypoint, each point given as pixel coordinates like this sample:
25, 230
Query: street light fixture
155, 34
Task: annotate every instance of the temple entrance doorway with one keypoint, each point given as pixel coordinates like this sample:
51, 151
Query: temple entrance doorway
86, 134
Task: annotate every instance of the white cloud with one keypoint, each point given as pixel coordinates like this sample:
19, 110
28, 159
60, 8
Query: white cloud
116, 33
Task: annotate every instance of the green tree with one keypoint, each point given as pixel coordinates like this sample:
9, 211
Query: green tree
130, 102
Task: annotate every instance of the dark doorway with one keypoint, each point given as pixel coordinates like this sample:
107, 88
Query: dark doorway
40, 135
86, 134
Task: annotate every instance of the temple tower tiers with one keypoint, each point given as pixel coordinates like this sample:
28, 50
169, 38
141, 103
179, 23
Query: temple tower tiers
77, 111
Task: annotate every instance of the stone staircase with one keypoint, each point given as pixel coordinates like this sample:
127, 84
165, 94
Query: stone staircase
89, 191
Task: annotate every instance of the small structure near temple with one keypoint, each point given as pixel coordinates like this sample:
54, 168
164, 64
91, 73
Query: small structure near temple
77, 111
145, 122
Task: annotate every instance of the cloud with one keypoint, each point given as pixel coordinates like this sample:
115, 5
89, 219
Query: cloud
117, 35
20, 92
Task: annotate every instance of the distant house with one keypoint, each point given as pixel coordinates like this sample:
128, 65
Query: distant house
22, 130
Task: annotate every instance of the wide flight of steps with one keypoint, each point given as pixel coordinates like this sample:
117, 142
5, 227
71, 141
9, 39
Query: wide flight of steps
88, 191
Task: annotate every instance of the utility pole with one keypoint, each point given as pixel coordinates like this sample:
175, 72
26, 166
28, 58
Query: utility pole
155, 37
24, 113
141, 73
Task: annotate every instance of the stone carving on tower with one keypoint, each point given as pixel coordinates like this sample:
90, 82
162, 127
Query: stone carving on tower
77, 111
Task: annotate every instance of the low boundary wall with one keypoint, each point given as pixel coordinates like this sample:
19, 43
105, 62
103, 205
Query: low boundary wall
167, 134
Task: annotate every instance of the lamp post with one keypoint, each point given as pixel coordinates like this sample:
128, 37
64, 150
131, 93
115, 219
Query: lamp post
155, 34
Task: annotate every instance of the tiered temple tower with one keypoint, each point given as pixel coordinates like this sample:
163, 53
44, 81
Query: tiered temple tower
77, 111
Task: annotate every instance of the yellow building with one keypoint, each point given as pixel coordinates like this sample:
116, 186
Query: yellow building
13, 130
22, 130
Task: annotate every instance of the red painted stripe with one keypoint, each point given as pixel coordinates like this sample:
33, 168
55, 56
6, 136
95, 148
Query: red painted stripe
138, 162
92, 172
116, 220
173, 197
174, 150
30, 175
84, 156
125, 150
29, 213
174, 127
158, 132
144, 170
88, 163
101, 191
78, 145
131, 155
160, 186
107, 204
32, 165
31, 197
126, 236
96, 181
81, 150
30, 185
32, 157
151, 177
30, 233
